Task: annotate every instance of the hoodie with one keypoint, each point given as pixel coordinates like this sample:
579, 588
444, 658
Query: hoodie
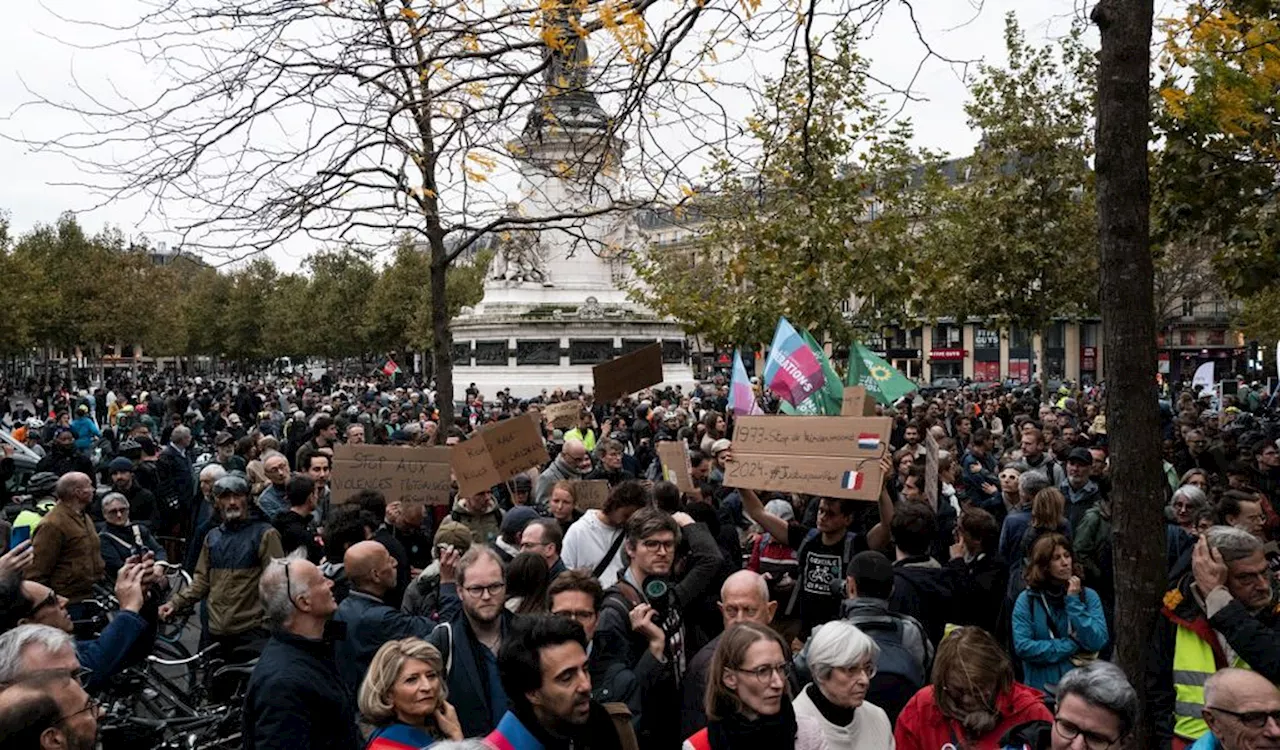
922, 725
485, 525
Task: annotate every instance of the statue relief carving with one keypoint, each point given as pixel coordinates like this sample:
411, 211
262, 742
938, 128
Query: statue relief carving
520, 256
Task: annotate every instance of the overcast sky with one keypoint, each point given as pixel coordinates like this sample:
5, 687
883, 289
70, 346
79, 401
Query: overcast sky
31, 57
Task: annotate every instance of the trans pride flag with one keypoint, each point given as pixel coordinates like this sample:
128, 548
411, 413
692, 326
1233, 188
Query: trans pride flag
742, 400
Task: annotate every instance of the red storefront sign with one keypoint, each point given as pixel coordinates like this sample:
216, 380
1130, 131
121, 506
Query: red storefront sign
1089, 358
986, 372
947, 355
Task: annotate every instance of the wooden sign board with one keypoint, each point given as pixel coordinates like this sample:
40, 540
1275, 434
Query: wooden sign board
590, 494
627, 374
497, 453
826, 456
931, 469
856, 403
563, 415
400, 473
674, 456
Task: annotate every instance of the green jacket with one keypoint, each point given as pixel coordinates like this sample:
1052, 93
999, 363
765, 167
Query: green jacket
1093, 532
231, 562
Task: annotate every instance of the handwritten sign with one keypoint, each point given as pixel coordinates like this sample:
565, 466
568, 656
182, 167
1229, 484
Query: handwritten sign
562, 415
497, 453
400, 473
827, 456
856, 404
590, 494
627, 374
674, 456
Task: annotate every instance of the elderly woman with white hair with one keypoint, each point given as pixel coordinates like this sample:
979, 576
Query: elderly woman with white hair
842, 659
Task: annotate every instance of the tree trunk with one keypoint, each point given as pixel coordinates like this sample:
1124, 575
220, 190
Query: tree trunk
1129, 333
441, 338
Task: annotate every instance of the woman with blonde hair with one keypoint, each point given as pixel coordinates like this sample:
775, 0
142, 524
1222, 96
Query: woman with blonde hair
1048, 516
747, 702
972, 700
403, 697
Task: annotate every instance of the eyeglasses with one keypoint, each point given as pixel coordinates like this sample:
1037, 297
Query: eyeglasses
653, 545
492, 589
764, 674
578, 615
90, 705
1092, 740
1251, 719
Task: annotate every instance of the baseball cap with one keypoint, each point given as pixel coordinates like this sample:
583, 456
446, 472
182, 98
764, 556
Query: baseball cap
222, 438
1080, 456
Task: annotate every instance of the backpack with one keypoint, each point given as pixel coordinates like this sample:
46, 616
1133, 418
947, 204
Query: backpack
898, 675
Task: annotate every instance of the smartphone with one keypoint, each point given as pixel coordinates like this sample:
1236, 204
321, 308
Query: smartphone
20, 534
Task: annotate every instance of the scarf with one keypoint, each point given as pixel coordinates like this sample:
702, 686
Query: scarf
736, 732
838, 715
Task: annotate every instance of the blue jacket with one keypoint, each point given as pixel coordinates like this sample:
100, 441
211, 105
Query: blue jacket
107, 654
272, 501
370, 623
85, 431
986, 474
1012, 533
1046, 636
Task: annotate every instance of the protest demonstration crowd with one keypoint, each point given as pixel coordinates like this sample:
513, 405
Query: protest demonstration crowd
660, 570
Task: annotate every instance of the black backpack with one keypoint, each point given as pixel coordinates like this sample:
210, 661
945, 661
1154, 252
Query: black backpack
898, 675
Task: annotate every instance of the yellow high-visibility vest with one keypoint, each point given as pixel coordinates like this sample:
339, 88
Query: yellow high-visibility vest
1192, 664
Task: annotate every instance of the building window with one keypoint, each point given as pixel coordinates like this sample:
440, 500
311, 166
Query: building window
1019, 338
1089, 334
1216, 338
946, 336
1188, 307
1187, 338
1055, 335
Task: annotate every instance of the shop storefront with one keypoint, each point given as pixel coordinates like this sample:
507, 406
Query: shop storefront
986, 355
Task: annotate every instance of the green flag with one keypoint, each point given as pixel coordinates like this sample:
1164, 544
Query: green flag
826, 400
880, 378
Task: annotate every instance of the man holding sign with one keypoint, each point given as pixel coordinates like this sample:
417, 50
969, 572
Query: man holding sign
823, 553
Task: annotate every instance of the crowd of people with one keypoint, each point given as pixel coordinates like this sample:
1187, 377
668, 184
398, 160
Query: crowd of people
975, 613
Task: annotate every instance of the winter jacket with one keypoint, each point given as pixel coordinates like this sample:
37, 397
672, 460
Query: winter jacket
1092, 533
559, 471
272, 501
120, 542
516, 731
982, 584
1047, 634
231, 562
370, 623
470, 689
809, 736
68, 554
60, 463
1079, 501
178, 488
104, 656
923, 589
622, 654
975, 472
296, 699
922, 725
485, 526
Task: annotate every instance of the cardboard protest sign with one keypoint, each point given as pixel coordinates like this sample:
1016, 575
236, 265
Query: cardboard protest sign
675, 465
563, 415
401, 473
827, 456
627, 374
497, 453
590, 494
856, 404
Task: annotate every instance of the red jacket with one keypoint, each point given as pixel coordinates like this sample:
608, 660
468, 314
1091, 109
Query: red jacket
921, 725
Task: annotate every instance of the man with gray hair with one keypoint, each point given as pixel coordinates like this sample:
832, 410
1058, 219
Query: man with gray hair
1220, 615
32, 648
296, 696
1243, 710
1015, 524
177, 484
1095, 703
574, 462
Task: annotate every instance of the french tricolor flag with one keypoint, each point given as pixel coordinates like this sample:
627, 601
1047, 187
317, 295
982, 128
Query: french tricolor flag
852, 480
868, 441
